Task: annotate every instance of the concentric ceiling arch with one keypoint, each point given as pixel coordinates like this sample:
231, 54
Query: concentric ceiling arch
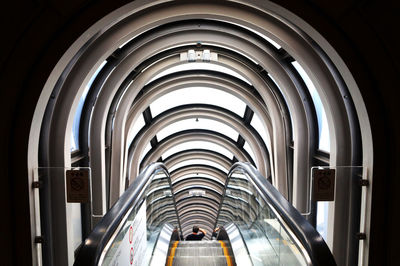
111, 78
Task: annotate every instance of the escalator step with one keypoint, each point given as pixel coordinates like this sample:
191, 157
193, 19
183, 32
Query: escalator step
200, 243
200, 261
199, 251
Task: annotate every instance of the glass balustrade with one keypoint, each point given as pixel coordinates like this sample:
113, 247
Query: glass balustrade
138, 224
264, 232
139, 231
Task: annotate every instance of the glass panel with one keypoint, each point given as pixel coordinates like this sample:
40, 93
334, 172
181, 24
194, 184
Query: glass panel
213, 178
78, 112
249, 150
283, 95
261, 129
198, 95
145, 151
199, 66
77, 121
137, 234
198, 161
324, 143
322, 218
137, 126
198, 145
73, 187
267, 241
198, 123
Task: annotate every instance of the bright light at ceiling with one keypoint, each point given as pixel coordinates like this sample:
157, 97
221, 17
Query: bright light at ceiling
145, 151
198, 145
198, 161
78, 112
249, 150
205, 176
198, 95
199, 66
260, 127
137, 126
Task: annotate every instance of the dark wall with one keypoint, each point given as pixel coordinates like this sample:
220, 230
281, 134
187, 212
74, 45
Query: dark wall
37, 33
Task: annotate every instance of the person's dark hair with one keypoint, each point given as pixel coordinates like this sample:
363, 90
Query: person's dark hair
195, 228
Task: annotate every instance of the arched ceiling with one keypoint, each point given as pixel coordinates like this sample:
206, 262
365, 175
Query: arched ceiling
238, 47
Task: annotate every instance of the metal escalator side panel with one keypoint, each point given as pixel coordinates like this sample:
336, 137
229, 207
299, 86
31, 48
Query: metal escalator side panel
265, 224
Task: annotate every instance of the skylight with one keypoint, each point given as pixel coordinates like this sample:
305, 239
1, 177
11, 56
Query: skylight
249, 150
198, 145
78, 112
198, 95
258, 125
198, 123
198, 161
205, 176
137, 126
283, 95
199, 66
324, 143
145, 151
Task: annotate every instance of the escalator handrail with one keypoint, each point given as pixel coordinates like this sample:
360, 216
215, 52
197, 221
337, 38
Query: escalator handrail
93, 246
312, 241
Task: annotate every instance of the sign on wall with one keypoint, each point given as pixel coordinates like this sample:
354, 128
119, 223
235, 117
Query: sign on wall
324, 184
78, 185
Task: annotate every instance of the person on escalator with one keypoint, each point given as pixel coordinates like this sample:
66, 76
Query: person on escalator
195, 235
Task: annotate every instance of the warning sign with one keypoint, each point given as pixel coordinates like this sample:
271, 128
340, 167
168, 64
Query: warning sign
131, 256
77, 186
130, 234
324, 184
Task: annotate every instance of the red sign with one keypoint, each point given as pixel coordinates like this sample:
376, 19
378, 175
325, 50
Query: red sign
130, 235
131, 259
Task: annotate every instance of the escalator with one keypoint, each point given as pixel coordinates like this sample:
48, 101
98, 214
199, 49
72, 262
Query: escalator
257, 226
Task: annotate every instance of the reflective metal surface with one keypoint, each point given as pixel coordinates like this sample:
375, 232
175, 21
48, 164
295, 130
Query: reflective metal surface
271, 231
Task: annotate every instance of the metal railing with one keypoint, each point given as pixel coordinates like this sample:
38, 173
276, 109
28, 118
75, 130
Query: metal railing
272, 221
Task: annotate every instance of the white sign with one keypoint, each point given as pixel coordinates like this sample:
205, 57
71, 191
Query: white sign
197, 192
132, 249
